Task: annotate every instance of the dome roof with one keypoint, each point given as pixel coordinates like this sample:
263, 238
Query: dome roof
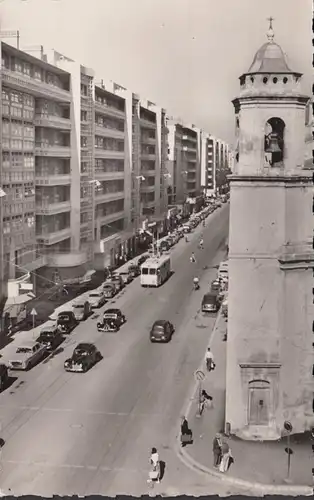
270, 58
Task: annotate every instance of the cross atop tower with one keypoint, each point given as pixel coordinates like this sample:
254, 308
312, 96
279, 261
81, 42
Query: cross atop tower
270, 32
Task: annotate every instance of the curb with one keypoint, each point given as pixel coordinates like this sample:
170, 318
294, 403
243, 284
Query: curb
191, 463
281, 489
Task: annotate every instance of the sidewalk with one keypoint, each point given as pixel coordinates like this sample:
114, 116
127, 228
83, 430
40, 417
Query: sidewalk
261, 464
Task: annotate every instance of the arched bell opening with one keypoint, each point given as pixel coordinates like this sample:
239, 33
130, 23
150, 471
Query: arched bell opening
274, 142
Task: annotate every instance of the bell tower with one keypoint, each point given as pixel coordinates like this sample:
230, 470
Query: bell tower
270, 354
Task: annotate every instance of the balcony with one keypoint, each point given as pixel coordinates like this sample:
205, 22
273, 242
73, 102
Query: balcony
148, 173
107, 219
103, 198
188, 149
53, 180
67, 259
106, 153
108, 110
148, 204
148, 156
54, 151
49, 208
147, 124
148, 140
50, 237
191, 160
52, 121
109, 132
104, 176
147, 189
189, 138
24, 83
35, 264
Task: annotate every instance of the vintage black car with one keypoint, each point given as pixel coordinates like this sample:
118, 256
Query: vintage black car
66, 321
112, 320
84, 356
142, 259
161, 331
4, 376
134, 270
109, 289
51, 337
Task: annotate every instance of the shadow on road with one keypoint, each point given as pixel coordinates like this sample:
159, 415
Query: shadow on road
162, 469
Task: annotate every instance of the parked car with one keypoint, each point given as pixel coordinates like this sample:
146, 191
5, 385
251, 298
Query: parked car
85, 355
161, 331
27, 355
96, 298
142, 259
117, 280
109, 289
50, 337
66, 321
164, 246
134, 270
4, 376
81, 309
126, 276
210, 302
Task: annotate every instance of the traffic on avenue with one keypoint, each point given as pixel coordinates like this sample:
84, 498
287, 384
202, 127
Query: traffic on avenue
83, 416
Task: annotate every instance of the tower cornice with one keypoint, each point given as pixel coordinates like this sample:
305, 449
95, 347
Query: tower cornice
283, 99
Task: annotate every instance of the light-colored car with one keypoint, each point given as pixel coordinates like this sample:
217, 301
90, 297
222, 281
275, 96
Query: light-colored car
126, 276
81, 309
27, 355
96, 298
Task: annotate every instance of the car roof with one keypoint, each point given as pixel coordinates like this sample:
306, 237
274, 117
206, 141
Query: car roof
160, 322
65, 312
48, 329
112, 311
84, 345
79, 302
208, 295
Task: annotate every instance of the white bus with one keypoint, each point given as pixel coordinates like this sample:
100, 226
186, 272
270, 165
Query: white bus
155, 271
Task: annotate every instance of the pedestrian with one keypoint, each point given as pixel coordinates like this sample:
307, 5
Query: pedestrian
209, 360
226, 456
186, 433
204, 397
154, 474
192, 258
217, 445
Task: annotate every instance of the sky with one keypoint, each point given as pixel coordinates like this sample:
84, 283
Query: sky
184, 55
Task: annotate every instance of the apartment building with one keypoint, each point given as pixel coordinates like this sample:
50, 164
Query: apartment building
184, 163
149, 173
35, 170
208, 165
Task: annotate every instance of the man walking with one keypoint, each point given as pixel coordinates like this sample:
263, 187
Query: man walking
209, 360
217, 445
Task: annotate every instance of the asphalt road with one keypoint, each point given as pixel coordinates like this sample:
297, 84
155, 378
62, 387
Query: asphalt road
72, 433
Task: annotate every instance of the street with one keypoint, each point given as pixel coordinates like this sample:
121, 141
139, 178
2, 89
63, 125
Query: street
72, 433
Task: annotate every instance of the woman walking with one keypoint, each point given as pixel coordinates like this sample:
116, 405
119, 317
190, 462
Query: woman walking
154, 473
186, 433
225, 457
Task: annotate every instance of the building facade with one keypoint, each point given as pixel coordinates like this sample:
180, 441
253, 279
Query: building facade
270, 315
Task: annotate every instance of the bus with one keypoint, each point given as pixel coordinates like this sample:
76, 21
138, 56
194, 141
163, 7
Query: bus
155, 271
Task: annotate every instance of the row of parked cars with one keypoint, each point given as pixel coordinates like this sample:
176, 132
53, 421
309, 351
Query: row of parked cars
217, 296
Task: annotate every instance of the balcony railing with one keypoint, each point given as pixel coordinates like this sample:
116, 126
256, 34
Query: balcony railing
103, 176
104, 197
37, 88
189, 149
147, 124
53, 180
109, 132
148, 173
35, 264
189, 138
108, 110
147, 189
52, 236
148, 156
106, 153
148, 140
53, 150
107, 219
49, 208
52, 121
67, 259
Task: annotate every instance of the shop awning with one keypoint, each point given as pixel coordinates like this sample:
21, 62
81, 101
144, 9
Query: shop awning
14, 305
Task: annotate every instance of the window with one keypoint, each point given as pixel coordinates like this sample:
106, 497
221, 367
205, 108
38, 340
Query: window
83, 142
145, 271
83, 116
38, 74
83, 89
18, 66
27, 69
5, 159
5, 127
5, 95
29, 161
16, 112
274, 142
17, 159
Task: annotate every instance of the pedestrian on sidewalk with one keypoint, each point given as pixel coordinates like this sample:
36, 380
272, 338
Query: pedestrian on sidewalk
186, 433
204, 397
154, 473
226, 457
209, 360
217, 445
